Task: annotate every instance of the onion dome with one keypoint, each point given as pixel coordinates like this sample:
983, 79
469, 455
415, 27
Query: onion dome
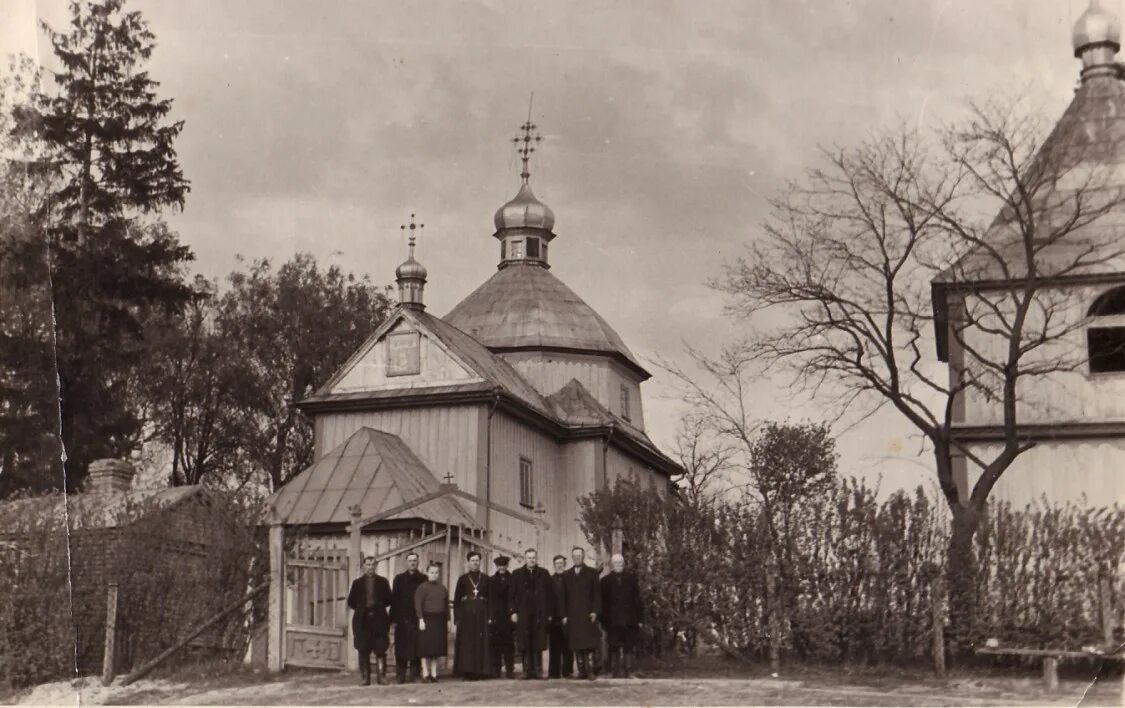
411, 275
1096, 26
411, 268
524, 211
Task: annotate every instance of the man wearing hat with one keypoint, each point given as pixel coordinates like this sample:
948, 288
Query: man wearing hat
502, 637
533, 607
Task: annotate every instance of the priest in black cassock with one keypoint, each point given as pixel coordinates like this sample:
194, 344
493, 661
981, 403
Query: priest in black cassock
471, 657
405, 620
580, 605
369, 597
533, 606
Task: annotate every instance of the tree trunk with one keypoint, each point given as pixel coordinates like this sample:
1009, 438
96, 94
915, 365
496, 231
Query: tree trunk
961, 575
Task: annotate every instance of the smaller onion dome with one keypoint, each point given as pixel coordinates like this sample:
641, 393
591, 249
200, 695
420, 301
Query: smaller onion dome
524, 211
1096, 26
411, 268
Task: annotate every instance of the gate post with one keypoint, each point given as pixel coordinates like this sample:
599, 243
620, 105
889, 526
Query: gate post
355, 568
275, 653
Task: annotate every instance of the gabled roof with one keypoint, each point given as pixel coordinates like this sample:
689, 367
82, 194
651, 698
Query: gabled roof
577, 408
373, 469
524, 306
498, 375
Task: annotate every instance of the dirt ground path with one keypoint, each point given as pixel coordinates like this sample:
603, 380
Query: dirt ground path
337, 689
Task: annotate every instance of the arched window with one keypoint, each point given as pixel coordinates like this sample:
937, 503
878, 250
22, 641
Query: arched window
1105, 337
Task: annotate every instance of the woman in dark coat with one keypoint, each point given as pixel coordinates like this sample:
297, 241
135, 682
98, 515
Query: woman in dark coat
471, 659
369, 597
431, 602
580, 605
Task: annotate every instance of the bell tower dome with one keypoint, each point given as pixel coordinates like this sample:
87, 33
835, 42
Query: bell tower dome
524, 224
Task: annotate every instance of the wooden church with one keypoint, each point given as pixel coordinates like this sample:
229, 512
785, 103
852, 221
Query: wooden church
1074, 417
481, 429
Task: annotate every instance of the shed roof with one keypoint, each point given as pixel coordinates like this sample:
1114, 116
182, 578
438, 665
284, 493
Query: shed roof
372, 469
91, 511
525, 306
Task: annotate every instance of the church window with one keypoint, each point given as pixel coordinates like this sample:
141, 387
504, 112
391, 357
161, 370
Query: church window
1105, 337
533, 248
624, 401
503, 250
527, 490
516, 250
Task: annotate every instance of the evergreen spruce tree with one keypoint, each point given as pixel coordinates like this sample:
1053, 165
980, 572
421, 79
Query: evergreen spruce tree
114, 265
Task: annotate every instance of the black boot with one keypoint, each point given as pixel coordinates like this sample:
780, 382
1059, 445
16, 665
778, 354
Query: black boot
537, 659
528, 668
510, 664
590, 663
400, 670
580, 659
630, 661
620, 669
381, 671
364, 669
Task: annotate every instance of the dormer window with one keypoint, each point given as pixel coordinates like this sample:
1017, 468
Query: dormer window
624, 401
516, 252
532, 248
1105, 337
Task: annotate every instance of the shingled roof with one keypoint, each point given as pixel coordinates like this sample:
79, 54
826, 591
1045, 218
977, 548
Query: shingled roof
372, 469
525, 306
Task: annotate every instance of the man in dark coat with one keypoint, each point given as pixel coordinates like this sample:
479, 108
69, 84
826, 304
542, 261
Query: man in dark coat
560, 662
405, 620
533, 606
500, 609
369, 597
623, 615
471, 656
580, 605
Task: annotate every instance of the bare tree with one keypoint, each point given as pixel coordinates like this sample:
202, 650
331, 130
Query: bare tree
705, 461
887, 248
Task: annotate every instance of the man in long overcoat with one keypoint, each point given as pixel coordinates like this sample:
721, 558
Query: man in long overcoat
405, 620
580, 605
623, 615
503, 638
533, 606
369, 597
560, 662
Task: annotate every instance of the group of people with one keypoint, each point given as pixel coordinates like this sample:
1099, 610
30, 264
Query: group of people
528, 609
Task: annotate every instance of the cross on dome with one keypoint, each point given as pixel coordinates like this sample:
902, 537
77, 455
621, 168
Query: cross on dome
411, 275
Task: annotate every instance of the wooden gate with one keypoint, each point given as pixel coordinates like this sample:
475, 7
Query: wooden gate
316, 612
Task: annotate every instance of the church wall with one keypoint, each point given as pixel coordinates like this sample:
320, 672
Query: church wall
1062, 472
622, 466
601, 376
445, 438
512, 439
1068, 396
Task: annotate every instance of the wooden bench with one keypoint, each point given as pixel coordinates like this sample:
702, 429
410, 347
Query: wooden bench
1051, 659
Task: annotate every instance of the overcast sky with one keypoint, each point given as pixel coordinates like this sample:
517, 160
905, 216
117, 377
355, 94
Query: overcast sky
320, 126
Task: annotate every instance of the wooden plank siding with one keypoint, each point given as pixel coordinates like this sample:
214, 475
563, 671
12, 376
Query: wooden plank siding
601, 376
445, 438
1086, 472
